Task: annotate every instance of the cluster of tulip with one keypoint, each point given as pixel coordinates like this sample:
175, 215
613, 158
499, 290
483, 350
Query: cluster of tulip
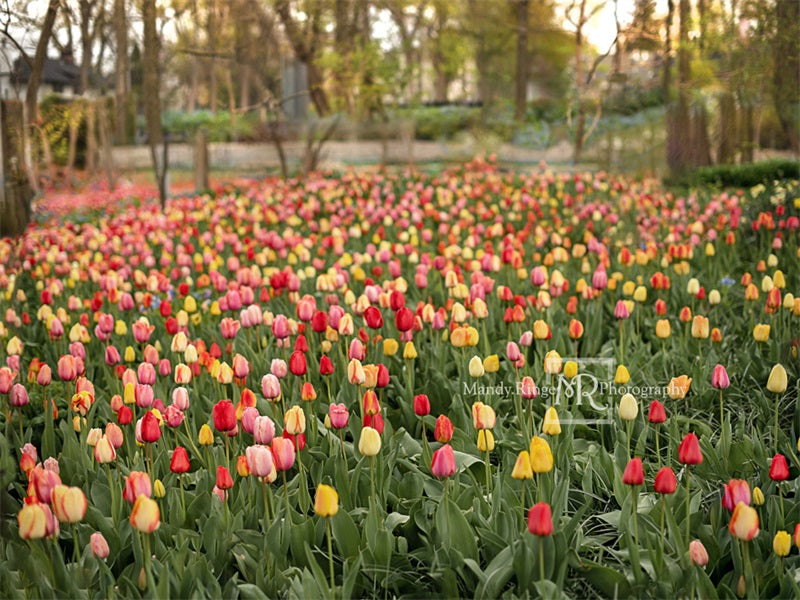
418, 362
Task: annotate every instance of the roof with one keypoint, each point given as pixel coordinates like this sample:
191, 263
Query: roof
56, 72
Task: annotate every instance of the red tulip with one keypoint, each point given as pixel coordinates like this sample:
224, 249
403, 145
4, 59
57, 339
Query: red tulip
422, 405
656, 414
374, 421
325, 365
151, 429
370, 403
778, 469
383, 376
443, 463
404, 319
634, 472
373, 317
297, 363
540, 519
665, 482
124, 415
224, 479
136, 484
224, 415
689, 450
179, 463
319, 322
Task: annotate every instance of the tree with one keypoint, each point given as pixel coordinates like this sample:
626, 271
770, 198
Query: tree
786, 69
521, 82
121, 71
152, 97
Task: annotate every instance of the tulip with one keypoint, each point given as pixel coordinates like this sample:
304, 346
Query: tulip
43, 481
369, 444
205, 436
528, 389
179, 462
663, 329
551, 425
104, 451
744, 522
224, 479
570, 369
541, 455
485, 440
483, 416
782, 543
370, 403
443, 463
224, 415
628, 408
656, 414
552, 363
540, 520
522, 468
422, 405
761, 332
259, 460
32, 520
283, 453
735, 491
777, 381
69, 503
145, 515
151, 430
758, 496
689, 450
665, 482
99, 545
339, 416
796, 535
779, 469
326, 501
699, 327
678, 387
634, 472
294, 420
443, 430
137, 483
622, 376
697, 553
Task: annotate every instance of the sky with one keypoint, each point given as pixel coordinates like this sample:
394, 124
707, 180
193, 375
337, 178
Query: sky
600, 30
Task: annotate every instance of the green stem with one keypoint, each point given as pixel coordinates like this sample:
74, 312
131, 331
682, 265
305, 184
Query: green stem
75, 544
688, 514
113, 493
285, 493
780, 495
372, 479
266, 504
777, 402
147, 565
658, 447
488, 473
522, 503
541, 558
183, 495
330, 555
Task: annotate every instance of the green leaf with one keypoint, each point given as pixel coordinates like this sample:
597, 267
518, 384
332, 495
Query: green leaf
345, 534
454, 530
394, 519
611, 583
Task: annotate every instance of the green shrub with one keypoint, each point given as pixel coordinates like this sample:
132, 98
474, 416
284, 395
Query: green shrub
740, 176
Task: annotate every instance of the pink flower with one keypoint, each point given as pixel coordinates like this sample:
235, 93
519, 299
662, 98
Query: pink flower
720, 380
339, 415
443, 463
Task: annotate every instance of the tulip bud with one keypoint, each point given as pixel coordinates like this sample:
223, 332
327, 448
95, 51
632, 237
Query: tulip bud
369, 444
326, 501
541, 455
778, 380
622, 376
628, 408
294, 420
665, 482
689, 450
634, 472
678, 387
485, 440
205, 436
158, 489
758, 496
443, 463
104, 451
779, 469
443, 431
551, 425
540, 520
570, 369
99, 545
697, 553
146, 515
422, 405
522, 468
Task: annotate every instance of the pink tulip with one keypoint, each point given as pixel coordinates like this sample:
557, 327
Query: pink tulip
259, 460
339, 416
719, 378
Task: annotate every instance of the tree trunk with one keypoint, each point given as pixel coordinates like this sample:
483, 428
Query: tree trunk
105, 142
746, 143
672, 142
212, 44
726, 152
121, 73
579, 85
152, 100
91, 137
201, 162
15, 193
786, 79
32, 93
521, 83
85, 7
680, 158
75, 116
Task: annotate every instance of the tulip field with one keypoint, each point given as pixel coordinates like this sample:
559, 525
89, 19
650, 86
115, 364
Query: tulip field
476, 383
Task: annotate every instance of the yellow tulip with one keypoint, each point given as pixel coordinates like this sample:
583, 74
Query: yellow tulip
551, 425
326, 501
541, 455
778, 380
